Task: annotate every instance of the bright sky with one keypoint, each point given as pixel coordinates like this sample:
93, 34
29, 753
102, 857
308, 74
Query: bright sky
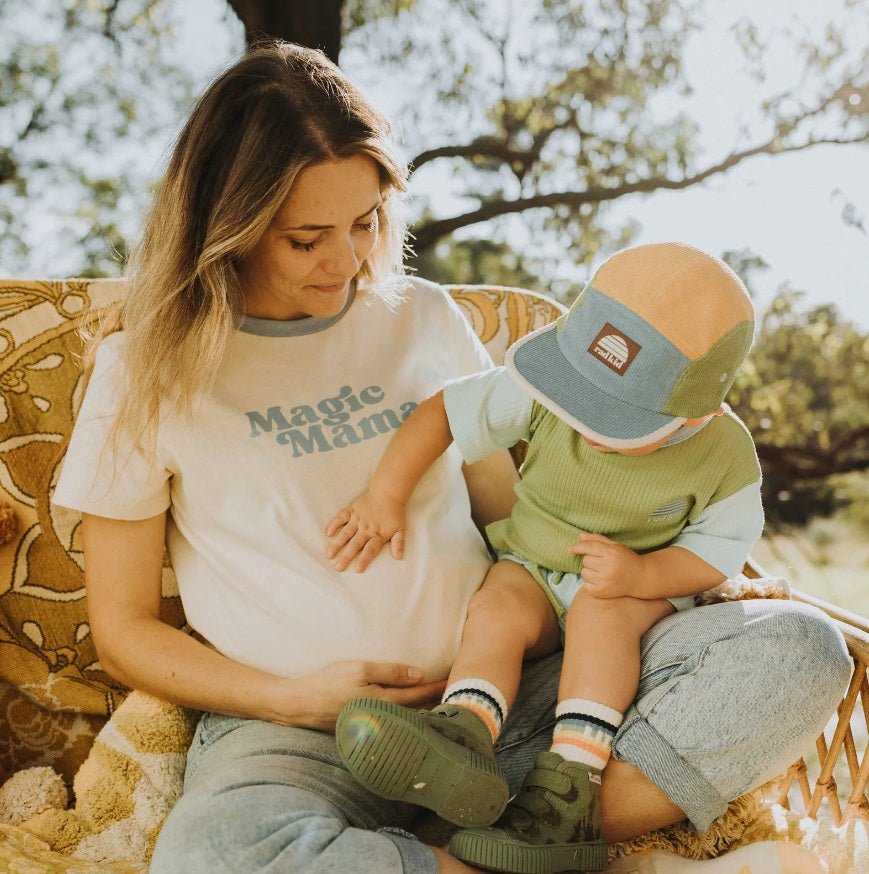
787, 208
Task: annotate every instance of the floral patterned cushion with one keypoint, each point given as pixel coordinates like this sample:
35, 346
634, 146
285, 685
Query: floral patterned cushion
54, 694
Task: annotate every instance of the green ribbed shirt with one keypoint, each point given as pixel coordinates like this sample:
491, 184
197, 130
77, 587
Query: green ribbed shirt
702, 493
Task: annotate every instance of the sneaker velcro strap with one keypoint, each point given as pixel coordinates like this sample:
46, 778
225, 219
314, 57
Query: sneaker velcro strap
544, 778
528, 808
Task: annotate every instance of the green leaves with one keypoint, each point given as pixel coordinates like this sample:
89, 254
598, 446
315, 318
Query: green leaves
87, 103
803, 394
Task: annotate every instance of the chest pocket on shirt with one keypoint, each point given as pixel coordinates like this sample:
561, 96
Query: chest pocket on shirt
670, 512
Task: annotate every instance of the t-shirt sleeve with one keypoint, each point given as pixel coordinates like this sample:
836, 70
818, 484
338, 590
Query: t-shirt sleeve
724, 532
487, 411
105, 473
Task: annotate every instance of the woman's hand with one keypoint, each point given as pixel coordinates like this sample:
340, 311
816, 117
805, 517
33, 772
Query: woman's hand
315, 700
363, 529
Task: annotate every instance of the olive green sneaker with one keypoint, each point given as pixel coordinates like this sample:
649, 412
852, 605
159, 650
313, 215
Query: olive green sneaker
442, 759
553, 824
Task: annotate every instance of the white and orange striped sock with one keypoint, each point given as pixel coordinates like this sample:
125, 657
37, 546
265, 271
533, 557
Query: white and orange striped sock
584, 731
481, 697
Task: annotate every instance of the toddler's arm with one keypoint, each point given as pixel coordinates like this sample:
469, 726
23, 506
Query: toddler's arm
378, 517
611, 570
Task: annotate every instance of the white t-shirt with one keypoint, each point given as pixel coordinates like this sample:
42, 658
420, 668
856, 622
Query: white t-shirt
298, 418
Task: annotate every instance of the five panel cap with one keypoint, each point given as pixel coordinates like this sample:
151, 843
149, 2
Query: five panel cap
655, 338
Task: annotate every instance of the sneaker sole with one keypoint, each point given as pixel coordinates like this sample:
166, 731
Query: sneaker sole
396, 754
496, 854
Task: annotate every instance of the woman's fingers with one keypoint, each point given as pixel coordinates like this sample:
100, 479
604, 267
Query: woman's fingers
389, 674
402, 684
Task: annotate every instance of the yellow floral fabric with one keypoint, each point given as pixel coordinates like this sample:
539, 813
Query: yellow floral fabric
53, 692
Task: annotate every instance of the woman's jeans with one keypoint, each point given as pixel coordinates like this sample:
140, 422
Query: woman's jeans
730, 695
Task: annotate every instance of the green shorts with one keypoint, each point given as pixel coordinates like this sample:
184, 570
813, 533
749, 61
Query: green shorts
561, 586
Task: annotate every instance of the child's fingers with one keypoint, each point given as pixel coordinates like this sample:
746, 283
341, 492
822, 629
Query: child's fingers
340, 539
587, 548
588, 537
337, 521
368, 553
396, 545
351, 549
590, 544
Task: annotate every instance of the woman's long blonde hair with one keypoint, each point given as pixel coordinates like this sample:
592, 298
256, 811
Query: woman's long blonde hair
279, 109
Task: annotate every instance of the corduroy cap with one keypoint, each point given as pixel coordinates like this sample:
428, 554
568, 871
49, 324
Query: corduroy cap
655, 338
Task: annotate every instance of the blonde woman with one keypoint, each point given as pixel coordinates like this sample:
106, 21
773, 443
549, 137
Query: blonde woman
268, 348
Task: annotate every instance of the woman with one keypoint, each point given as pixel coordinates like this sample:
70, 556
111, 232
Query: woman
269, 347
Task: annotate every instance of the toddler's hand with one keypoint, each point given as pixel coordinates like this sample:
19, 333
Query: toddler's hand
609, 569
363, 529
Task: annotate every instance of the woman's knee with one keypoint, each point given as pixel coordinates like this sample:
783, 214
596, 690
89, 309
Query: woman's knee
810, 649
241, 830
760, 677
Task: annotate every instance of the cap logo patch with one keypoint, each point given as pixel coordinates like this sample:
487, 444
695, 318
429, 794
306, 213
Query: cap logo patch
614, 348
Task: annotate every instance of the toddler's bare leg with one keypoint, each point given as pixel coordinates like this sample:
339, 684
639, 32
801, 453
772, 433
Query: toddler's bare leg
509, 619
602, 647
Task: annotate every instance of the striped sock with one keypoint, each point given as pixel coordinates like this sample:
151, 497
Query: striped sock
584, 731
480, 697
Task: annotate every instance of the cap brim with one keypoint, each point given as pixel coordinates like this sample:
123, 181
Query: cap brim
538, 363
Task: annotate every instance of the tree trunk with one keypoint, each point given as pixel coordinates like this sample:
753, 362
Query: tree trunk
313, 23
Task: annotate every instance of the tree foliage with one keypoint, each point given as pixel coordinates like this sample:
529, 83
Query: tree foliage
522, 121
555, 109
802, 394
89, 95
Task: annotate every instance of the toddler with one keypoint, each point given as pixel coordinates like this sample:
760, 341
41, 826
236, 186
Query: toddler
640, 488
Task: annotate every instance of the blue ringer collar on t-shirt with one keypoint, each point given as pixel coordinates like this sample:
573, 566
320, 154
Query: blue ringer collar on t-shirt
294, 327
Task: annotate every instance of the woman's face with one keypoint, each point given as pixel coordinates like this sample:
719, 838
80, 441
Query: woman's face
319, 238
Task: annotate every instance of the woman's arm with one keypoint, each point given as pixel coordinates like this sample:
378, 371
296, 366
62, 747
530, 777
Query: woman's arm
123, 568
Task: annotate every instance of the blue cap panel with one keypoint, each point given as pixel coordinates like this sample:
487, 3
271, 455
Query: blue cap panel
540, 362
648, 380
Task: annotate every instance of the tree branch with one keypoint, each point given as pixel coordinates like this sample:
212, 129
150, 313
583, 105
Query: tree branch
428, 233
494, 148
482, 147
108, 24
803, 463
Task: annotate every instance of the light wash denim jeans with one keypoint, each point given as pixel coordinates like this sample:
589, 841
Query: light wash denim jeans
730, 696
